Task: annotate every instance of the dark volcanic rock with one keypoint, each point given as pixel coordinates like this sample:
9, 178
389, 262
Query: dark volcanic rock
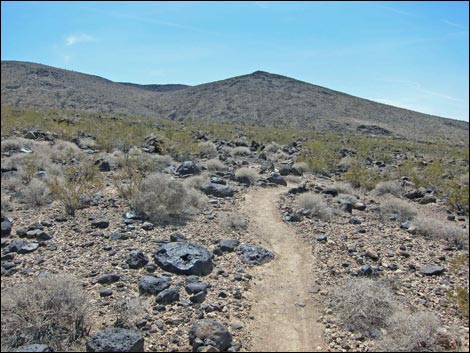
228, 245
275, 178
6, 227
168, 296
110, 278
101, 224
153, 285
184, 258
210, 333
254, 255
217, 190
188, 168
25, 249
137, 259
115, 340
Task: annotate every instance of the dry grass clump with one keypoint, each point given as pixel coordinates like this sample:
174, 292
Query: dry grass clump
250, 173
388, 187
215, 165
14, 144
272, 147
207, 149
163, 199
75, 183
314, 203
234, 221
397, 209
302, 166
241, 151
363, 305
343, 188
36, 193
49, 310
436, 229
411, 332
196, 181
128, 311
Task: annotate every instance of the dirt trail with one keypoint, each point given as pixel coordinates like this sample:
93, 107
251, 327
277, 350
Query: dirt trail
284, 313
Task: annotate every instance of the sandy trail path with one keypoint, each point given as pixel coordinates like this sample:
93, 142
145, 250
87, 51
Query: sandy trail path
284, 312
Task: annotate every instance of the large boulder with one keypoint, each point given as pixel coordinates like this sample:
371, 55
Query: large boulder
217, 190
206, 333
254, 255
115, 340
184, 258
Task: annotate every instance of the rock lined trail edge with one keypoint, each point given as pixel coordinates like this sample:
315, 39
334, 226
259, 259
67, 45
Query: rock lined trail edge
285, 316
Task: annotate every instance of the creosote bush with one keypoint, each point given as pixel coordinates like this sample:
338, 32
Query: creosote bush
397, 209
234, 221
51, 310
163, 199
437, 229
388, 187
36, 193
250, 173
314, 203
76, 183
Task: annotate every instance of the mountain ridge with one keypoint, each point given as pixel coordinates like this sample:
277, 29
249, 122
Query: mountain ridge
258, 98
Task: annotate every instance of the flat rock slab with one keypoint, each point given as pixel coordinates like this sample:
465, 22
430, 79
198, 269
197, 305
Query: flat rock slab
432, 270
115, 340
184, 258
210, 333
254, 255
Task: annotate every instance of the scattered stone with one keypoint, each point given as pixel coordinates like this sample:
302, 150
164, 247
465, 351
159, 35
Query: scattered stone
228, 245
192, 288
147, 226
184, 258
137, 259
209, 333
188, 168
105, 292
168, 296
322, 238
109, 278
277, 179
254, 255
115, 340
6, 227
217, 190
25, 249
199, 297
432, 270
103, 165
101, 224
153, 285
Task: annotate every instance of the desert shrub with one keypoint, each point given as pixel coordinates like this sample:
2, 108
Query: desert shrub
196, 181
76, 182
215, 165
348, 197
343, 188
436, 229
241, 151
207, 149
61, 151
128, 311
272, 147
304, 167
411, 332
250, 173
315, 203
36, 193
162, 199
279, 156
397, 209
50, 310
15, 144
360, 176
363, 305
234, 221
388, 187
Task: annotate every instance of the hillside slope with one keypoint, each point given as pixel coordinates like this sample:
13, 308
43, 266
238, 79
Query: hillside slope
259, 98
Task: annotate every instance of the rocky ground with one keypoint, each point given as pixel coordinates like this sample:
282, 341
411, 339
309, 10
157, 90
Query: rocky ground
110, 252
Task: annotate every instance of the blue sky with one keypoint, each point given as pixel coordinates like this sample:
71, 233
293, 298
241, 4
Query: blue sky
409, 54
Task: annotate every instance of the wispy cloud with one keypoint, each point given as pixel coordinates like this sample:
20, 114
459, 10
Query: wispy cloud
73, 39
456, 25
395, 10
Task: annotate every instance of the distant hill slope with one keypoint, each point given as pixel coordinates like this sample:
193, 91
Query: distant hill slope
157, 88
258, 98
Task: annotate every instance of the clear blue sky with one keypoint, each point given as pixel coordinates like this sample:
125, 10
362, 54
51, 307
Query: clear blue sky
409, 54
